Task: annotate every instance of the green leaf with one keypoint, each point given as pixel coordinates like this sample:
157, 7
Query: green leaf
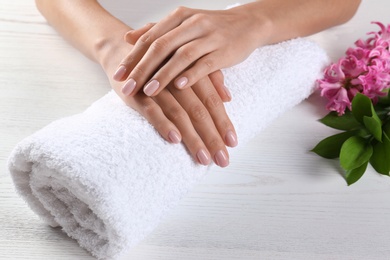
374, 126
381, 111
380, 159
384, 101
355, 152
361, 106
364, 112
330, 147
386, 128
344, 122
354, 175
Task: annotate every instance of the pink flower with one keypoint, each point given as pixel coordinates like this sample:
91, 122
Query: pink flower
334, 72
332, 87
339, 101
354, 65
382, 38
365, 69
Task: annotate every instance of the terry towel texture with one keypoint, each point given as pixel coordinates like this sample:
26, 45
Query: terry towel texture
107, 177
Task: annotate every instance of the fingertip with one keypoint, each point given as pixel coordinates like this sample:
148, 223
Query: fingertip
221, 158
231, 139
119, 73
181, 82
227, 92
174, 137
151, 88
129, 37
203, 157
128, 87
225, 98
127, 33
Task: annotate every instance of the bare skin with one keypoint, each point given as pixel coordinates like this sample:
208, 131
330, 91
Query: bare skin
196, 117
200, 41
204, 41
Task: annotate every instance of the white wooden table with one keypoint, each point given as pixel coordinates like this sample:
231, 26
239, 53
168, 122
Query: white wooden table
275, 201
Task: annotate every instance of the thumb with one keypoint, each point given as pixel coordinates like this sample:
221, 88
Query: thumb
133, 35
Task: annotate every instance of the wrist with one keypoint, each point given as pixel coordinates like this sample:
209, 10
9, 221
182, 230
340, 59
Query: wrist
107, 49
260, 23
110, 52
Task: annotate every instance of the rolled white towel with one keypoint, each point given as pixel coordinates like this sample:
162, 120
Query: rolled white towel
107, 177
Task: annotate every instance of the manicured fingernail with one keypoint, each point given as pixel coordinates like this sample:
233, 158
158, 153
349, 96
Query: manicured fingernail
227, 92
182, 82
203, 157
231, 139
174, 137
221, 159
128, 87
119, 73
151, 87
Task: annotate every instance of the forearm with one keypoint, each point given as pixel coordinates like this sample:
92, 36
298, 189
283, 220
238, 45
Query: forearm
86, 25
286, 19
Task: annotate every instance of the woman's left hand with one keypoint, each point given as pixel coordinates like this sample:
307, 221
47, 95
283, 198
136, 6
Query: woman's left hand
186, 46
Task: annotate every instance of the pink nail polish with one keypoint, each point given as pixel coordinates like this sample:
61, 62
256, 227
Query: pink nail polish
221, 159
174, 137
231, 139
151, 87
128, 87
119, 73
227, 92
182, 82
203, 157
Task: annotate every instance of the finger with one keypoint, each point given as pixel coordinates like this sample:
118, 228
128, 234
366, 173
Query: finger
181, 59
141, 46
132, 36
217, 80
154, 47
124, 68
201, 68
149, 109
191, 139
203, 124
157, 55
213, 103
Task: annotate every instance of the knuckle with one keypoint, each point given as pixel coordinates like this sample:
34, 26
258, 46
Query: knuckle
160, 45
128, 60
213, 101
145, 39
180, 11
209, 63
198, 113
202, 20
139, 72
176, 114
199, 17
148, 25
215, 143
149, 110
225, 125
186, 53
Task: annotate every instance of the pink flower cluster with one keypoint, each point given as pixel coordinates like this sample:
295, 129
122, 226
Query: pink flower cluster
365, 69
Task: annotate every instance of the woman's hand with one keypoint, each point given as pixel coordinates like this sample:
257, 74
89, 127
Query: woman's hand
195, 116
192, 44
185, 47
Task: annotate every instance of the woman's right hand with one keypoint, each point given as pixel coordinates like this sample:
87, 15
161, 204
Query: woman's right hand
195, 115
